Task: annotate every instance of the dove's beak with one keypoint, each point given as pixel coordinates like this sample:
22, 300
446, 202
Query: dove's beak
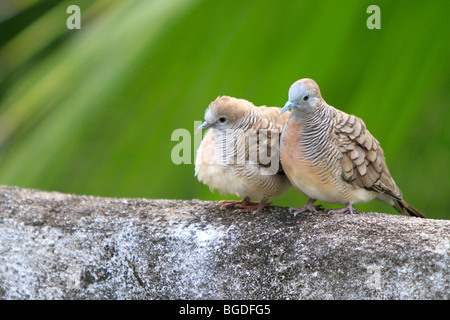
287, 106
203, 126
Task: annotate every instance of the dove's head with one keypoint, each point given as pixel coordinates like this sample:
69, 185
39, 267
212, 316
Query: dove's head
225, 113
304, 96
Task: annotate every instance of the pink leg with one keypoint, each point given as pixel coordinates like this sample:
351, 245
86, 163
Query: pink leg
255, 207
231, 203
309, 206
348, 208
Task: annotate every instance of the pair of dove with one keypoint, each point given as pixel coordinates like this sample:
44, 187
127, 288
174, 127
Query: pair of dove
325, 153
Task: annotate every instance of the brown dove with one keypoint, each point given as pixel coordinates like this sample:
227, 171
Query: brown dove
330, 156
239, 154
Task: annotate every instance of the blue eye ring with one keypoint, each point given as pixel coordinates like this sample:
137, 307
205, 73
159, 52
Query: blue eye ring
306, 97
222, 119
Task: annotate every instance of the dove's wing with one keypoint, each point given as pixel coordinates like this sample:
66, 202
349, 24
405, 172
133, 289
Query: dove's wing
268, 127
363, 162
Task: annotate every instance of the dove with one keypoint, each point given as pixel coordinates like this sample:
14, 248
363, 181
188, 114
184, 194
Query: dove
233, 157
329, 155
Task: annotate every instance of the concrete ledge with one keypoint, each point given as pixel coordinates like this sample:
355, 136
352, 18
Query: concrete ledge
61, 246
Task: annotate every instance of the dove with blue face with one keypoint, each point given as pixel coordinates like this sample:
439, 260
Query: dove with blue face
329, 155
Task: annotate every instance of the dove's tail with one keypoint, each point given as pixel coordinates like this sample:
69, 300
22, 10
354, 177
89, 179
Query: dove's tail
403, 207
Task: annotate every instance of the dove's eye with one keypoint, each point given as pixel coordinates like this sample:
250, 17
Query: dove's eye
222, 119
306, 97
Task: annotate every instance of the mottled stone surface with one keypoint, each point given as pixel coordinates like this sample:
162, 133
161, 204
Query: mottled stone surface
61, 246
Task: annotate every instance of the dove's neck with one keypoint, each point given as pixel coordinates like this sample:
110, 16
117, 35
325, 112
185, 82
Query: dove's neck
320, 113
316, 131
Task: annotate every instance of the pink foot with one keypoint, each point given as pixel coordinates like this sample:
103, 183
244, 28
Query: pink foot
348, 208
245, 205
231, 203
255, 207
308, 207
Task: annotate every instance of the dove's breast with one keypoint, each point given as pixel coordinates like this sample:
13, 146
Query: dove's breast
315, 174
231, 178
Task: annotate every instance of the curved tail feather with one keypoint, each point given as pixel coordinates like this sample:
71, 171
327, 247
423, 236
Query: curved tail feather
403, 207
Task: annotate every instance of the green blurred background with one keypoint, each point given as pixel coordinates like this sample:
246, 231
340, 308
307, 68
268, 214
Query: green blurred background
92, 111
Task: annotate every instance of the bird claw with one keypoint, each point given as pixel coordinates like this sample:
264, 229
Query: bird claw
232, 203
308, 207
245, 205
254, 208
296, 211
347, 209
